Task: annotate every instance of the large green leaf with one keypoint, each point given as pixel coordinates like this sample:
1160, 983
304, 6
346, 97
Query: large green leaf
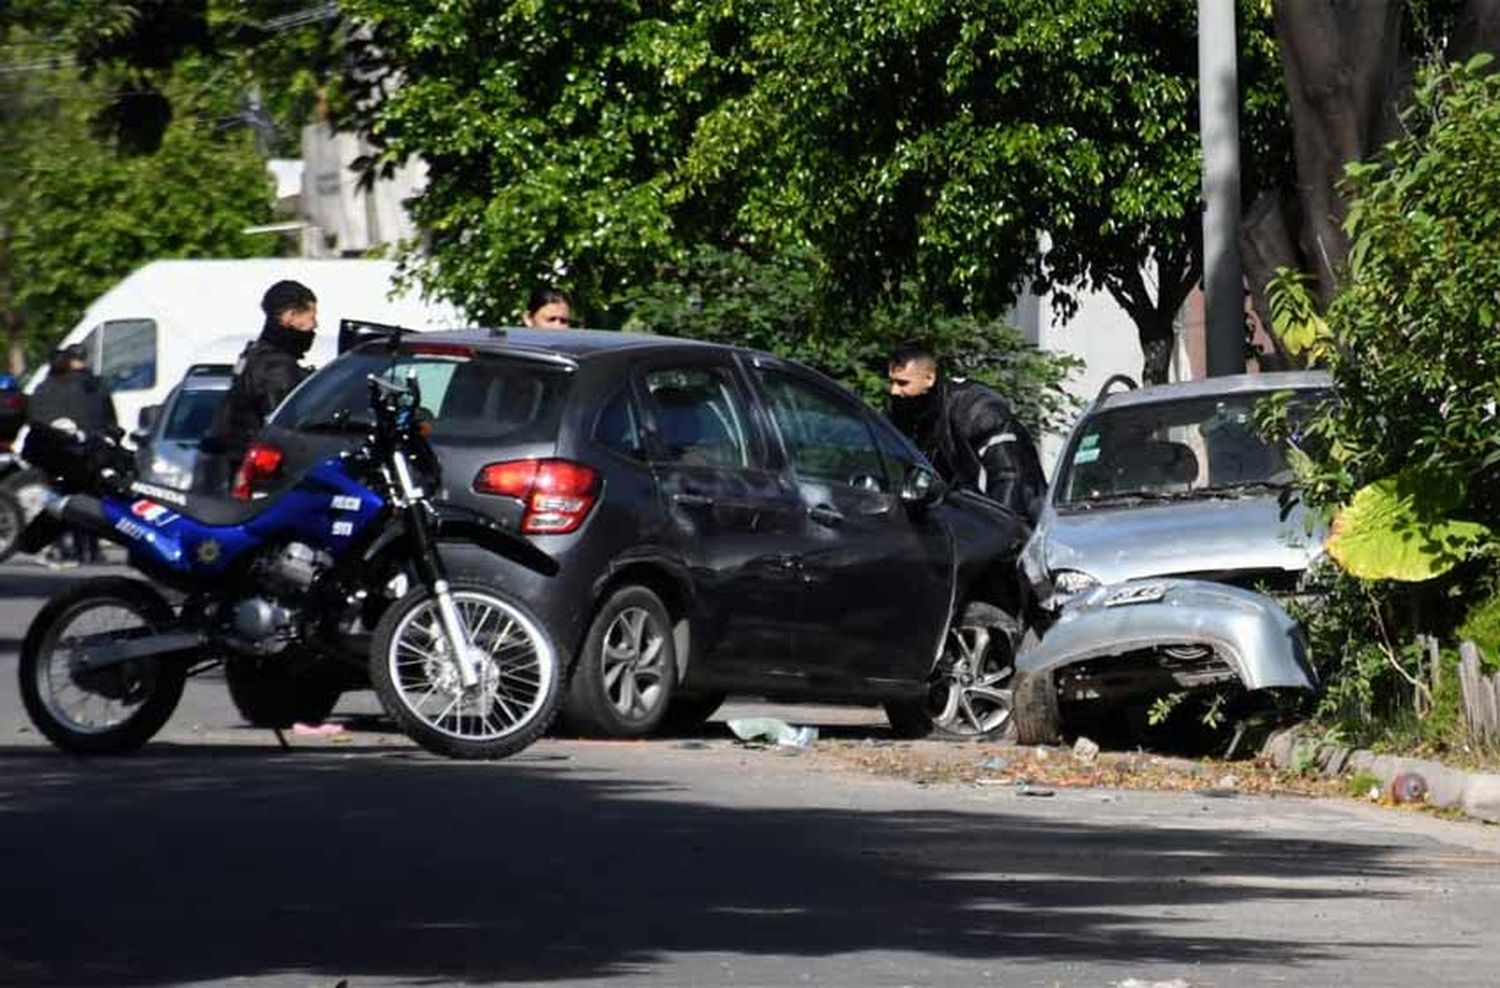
1398, 529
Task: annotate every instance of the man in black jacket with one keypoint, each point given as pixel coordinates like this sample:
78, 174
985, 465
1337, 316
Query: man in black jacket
71, 393
266, 372
966, 430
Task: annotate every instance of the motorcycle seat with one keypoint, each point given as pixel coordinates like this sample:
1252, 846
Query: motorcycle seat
209, 509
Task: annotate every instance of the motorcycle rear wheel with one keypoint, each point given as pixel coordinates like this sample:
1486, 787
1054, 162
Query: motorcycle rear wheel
108, 711
416, 678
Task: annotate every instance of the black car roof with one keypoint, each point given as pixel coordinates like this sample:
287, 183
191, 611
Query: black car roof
574, 343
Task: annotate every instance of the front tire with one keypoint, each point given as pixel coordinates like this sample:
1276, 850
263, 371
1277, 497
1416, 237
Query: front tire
106, 711
415, 675
969, 696
627, 670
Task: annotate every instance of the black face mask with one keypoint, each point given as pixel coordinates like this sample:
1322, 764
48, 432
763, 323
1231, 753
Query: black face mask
288, 340
916, 414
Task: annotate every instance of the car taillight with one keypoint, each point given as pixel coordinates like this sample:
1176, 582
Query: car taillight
558, 494
262, 462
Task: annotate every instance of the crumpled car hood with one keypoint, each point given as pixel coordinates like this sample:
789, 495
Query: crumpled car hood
1116, 544
1250, 632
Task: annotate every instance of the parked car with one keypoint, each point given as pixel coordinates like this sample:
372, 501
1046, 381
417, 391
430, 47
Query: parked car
724, 521
1161, 496
168, 435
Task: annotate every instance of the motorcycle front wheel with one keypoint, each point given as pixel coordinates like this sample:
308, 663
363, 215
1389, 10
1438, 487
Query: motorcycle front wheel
103, 711
416, 676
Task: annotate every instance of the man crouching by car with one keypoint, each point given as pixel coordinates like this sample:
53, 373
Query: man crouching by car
966, 430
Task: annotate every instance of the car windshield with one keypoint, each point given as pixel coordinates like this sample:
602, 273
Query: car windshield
471, 396
1191, 447
191, 415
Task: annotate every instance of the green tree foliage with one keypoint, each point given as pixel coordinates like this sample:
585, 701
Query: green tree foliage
552, 134
1411, 341
248, 62
77, 215
774, 305
931, 149
1411, 337
926, 151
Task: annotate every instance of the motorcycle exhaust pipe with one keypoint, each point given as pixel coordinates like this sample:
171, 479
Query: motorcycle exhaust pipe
84, 512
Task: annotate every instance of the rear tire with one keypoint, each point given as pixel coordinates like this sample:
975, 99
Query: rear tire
278, 692
108, 711
627, 669
520, 677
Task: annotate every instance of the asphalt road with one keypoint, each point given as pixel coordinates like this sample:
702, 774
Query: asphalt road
214, 857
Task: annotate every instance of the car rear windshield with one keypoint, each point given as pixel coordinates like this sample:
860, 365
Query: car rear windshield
477, 396
1172, 448
192, 414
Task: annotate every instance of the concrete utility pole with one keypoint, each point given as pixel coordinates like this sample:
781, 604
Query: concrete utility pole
1219, 119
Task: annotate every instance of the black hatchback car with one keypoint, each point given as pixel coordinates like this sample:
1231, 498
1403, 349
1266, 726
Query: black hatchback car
725, 521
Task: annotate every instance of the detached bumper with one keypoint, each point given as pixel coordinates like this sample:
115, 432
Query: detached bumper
1248, 632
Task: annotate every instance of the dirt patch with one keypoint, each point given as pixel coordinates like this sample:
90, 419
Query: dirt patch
1036, 768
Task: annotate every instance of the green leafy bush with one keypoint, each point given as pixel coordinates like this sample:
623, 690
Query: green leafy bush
776, 305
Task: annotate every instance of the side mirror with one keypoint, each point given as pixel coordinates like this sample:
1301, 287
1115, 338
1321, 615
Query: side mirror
921, 487
147, 418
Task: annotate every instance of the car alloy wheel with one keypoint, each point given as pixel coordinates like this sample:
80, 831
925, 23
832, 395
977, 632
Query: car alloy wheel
627, 668
971, 692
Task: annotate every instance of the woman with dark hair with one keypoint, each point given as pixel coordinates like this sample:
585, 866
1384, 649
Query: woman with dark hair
548, 309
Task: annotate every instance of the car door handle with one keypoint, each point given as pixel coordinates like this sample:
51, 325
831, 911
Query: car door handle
693, 500
825, 514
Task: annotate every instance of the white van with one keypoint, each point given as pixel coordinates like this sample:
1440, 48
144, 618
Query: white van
144, 333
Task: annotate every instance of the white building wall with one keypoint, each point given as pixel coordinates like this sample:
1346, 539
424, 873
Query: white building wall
1100, 334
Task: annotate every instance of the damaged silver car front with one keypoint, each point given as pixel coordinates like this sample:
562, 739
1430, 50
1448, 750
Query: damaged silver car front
1145, 638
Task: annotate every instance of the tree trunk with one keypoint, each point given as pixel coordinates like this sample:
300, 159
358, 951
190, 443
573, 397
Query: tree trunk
1266, 245
1342, 66
1478, 31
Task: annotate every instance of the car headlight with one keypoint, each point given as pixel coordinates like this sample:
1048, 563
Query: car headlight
1068, 582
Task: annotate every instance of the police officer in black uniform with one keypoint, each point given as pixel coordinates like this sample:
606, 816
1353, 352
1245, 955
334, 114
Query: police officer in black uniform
266, 372
966, 430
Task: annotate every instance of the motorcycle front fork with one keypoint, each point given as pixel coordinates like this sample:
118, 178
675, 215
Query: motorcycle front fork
432, 573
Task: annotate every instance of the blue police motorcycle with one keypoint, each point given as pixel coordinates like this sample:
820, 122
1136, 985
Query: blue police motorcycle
341, 570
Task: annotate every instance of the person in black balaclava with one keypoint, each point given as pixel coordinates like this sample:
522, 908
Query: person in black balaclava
966, 430
266, 372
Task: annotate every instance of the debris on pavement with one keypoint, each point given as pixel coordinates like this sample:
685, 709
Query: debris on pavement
1408, 787
1085, 750
932, 762
1029, 790
772, 730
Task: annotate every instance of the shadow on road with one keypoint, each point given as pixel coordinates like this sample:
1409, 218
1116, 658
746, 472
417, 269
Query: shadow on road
196, 863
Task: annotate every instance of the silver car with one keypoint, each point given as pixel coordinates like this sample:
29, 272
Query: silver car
168, 435
1173, 480
1160, 495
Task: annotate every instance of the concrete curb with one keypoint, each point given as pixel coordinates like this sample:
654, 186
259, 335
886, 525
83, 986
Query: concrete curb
1477, 794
